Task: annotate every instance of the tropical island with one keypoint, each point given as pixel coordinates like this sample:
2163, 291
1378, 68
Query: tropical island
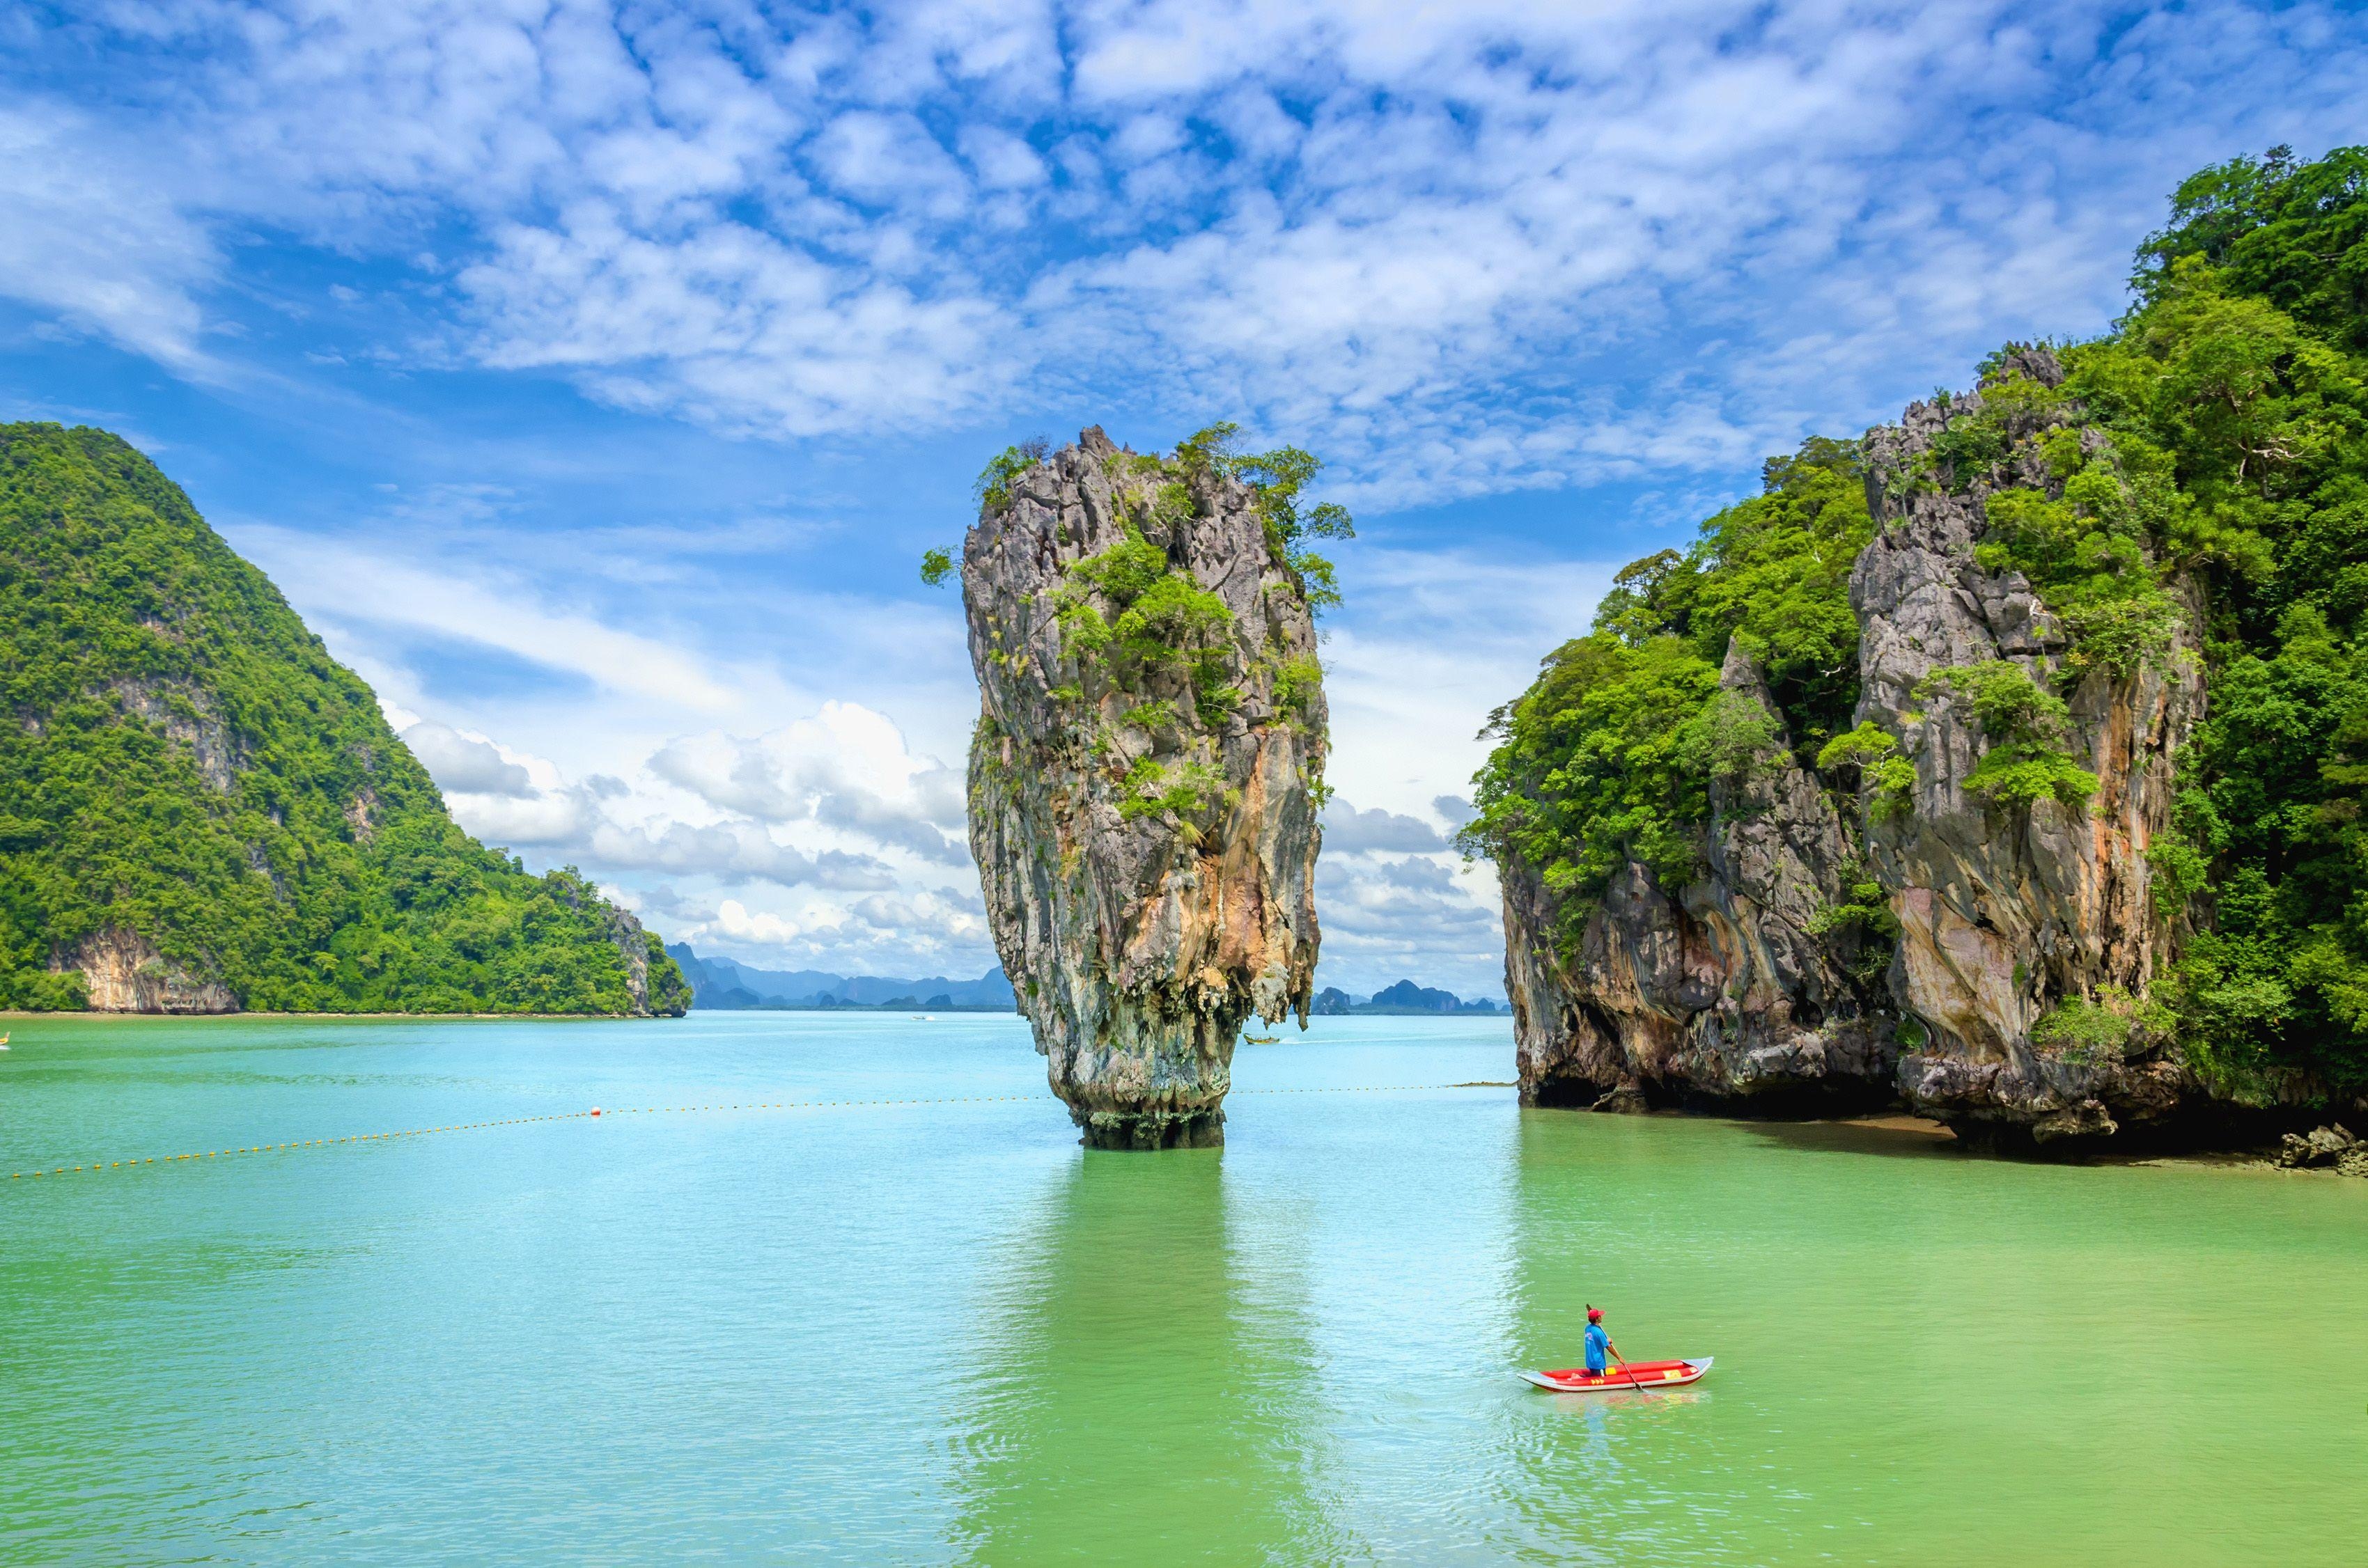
1148, 764
2008, 762
203, 812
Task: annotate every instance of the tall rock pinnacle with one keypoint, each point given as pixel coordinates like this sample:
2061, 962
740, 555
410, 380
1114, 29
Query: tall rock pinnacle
1146, 774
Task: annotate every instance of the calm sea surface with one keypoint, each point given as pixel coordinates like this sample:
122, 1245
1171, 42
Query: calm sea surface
942, 1332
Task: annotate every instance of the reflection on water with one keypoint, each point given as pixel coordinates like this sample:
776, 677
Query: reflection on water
1137, 1388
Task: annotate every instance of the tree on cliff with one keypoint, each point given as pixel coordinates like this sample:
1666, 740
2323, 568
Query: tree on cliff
1147, 768
2187, 487
1609, 756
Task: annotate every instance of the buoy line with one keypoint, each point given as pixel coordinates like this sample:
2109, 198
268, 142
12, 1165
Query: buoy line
144, 1162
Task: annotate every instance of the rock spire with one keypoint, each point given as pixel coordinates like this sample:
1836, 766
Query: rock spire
1145, 775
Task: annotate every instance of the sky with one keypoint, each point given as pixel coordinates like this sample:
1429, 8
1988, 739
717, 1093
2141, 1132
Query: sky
591, 376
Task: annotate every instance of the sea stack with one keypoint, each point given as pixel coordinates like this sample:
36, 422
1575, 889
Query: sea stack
1146, 774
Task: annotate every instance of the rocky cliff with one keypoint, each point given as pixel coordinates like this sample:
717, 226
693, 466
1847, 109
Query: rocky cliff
2009, 763
1144, 775
2007, 910
123, 972
1735, 989
1880, 920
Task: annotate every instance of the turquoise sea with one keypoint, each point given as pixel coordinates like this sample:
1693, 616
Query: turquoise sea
936, 1331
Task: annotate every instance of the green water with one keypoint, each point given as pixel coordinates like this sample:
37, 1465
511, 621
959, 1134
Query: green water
942, 1332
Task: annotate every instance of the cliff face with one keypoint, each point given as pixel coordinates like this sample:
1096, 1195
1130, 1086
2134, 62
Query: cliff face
1835, 950
2004, 913
1152, 730
1734, 991
123, 972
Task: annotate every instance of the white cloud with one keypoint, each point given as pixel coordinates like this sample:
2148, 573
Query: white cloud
846, 768
1417, 917
350, 584
908, 934
1348, 831
1428, 642
730, 326
465, 763
1483, 249
93, 238
729, 852
889, 160
735, 922
1004, 162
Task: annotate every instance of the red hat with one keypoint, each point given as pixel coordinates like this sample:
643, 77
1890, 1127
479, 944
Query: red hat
1595, 1315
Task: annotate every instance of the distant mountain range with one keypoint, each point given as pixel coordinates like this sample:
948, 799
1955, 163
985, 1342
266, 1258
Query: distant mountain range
722, 983
1404, 998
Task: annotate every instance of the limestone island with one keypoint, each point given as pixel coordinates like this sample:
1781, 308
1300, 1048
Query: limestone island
1148, 764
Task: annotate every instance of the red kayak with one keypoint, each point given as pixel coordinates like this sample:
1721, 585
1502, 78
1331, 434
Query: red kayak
1641, 1375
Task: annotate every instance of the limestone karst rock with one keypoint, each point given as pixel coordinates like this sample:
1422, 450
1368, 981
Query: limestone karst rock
1741, 990
203, 812
1726, 991
2002, 911
1144, 777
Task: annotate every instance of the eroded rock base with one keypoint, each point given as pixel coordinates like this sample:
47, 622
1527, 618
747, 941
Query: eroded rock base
1156, 1130
1793, 1100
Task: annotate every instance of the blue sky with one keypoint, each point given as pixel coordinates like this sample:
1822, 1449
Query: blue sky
593, 375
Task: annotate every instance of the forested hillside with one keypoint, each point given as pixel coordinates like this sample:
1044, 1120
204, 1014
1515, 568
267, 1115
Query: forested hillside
201, 810
2185, 496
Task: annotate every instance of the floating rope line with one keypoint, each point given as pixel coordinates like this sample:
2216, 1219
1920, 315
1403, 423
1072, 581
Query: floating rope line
142, 1163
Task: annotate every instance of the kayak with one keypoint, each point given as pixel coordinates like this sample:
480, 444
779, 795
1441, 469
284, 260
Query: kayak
1641, 1375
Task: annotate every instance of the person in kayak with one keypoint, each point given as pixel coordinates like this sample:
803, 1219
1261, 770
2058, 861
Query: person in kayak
1598, 1344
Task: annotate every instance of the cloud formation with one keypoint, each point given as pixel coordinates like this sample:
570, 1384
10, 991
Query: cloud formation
373, 588
1461, 249
846, 768
1348, 831
1411, 918
465, 763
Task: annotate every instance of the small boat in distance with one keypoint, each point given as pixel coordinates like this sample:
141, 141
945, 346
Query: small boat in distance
1260, 1039
1642, 1376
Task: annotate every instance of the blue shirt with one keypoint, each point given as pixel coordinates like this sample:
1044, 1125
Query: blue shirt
1597, 1343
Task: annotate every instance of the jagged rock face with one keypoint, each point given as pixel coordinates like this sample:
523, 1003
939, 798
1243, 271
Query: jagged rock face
1727, 994
1141, 923
1733, 991
125, 974
2005, 912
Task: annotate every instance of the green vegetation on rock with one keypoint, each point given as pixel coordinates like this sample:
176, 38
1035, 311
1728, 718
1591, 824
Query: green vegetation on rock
1138, 625
2237, 394
2025, 761
1276, 478
182, 761
1609, 756
2201, 470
